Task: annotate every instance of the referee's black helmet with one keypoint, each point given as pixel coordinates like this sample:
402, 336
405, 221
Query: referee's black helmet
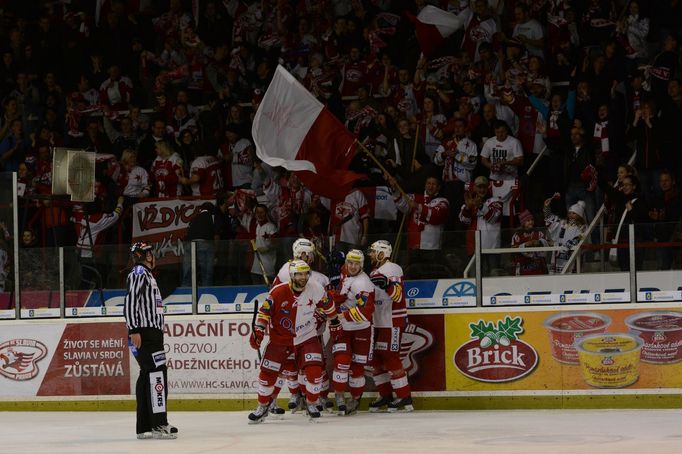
139, 250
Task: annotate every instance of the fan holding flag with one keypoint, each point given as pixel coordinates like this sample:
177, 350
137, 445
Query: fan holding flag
292, 129
433, 26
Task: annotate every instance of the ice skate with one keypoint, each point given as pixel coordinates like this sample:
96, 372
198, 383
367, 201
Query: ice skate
340, 405
145, 435
404, 404
296, 403
165, 432
312, 412
325, 404
382, 401
275, 410
353, 406
259, 415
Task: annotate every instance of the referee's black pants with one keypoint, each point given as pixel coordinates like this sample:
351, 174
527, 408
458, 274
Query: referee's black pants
151, 392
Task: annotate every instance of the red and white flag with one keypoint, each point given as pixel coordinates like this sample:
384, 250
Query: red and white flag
433, 25
292, 129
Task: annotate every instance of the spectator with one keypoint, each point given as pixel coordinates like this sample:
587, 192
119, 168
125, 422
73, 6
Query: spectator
479, 28
528, 31
204, 174
632, 208
166, 171
348, 219
427, 214
528, 263
502, 154
633, 31
264, 234
566, 233
458, 157
122, 139
202, 232
94, 139
580, 174
115, 92
666, 211
90, 224
237, 155
136, 179
147, 147
13, 147
482, 212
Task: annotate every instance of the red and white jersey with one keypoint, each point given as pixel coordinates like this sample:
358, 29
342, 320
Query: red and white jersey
210, 179
347, 215
116, 94
459, 166
283, 276
265, 232
427, 220
98, 223
291, 316
356, 297
486, 219
500, 152
476, 31
242, 162
529, 263
136, 183
286, 204
352, 77
165, 174
390, 308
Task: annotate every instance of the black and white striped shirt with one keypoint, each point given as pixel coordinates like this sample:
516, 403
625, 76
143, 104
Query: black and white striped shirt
142, 306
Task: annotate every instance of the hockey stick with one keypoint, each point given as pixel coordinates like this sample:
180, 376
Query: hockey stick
253, 325
260, 262
267, 285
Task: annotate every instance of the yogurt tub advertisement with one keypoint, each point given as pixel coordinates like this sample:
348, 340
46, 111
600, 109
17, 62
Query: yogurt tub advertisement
603, 349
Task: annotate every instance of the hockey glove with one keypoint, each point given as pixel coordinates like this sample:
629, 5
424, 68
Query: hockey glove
380, 281
257, 337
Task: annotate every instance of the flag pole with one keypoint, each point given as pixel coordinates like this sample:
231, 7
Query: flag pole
380, 165
414, 148
398, 236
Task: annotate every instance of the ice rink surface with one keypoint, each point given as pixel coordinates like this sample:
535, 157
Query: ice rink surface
522, 431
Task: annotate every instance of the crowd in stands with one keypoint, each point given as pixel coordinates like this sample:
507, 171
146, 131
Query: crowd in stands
164, 93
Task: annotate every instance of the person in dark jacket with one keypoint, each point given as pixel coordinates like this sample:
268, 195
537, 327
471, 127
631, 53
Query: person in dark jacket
628, 200
665, 211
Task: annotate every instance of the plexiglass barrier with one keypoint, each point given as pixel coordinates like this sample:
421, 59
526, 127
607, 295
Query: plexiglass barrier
516, 268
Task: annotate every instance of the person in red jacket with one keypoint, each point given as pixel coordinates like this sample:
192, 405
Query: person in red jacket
427, 215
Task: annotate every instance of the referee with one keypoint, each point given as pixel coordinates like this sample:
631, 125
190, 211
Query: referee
143, 310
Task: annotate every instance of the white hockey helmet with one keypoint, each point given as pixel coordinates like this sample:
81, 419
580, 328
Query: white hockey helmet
380, 247
301, 246
298, 267
355, 255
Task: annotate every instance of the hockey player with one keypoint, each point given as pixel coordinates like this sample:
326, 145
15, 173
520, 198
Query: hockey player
354, 300
390, 319
289, 314
303, 249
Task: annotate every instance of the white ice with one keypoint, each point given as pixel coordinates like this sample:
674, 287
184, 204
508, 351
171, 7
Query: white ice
522, 431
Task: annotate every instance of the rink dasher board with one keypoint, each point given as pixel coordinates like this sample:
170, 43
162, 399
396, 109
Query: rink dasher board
445, 401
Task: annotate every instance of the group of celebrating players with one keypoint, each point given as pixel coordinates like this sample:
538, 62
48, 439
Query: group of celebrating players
365, 315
